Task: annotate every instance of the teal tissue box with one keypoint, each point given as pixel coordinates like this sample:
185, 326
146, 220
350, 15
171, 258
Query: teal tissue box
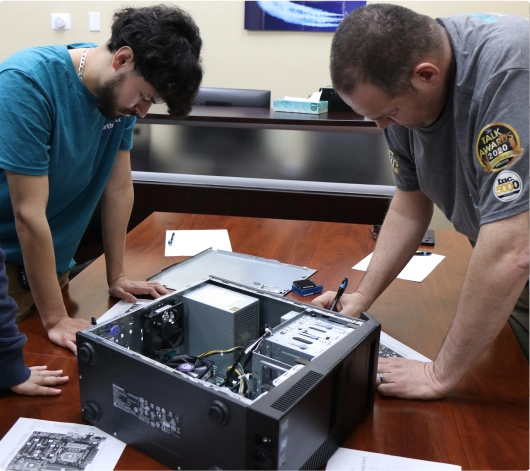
294, 106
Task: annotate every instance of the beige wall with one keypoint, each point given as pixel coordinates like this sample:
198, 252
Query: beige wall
287, 63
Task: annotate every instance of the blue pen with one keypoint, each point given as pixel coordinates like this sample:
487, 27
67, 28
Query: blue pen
340, 292
170, 241
423, 253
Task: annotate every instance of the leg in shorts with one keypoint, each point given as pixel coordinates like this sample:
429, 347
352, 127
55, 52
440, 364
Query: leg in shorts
21, 295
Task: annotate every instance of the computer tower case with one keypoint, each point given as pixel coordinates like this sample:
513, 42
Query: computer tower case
297, 385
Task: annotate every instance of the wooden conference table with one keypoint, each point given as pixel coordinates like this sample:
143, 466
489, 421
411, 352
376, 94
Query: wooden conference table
482, 424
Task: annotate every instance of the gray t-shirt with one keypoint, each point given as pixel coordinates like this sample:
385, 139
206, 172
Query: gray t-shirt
473, 161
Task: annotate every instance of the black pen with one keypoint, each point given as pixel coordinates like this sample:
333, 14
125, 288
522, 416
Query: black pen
340, 292
423, 253
170, 241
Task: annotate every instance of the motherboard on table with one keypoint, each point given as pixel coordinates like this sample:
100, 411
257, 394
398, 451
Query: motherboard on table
56, 451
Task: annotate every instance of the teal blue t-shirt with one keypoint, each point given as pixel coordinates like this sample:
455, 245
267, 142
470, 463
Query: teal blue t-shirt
50, 125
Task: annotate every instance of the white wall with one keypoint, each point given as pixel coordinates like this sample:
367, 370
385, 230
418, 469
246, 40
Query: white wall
287, 63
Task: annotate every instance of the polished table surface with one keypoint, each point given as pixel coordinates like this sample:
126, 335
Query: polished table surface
482, 424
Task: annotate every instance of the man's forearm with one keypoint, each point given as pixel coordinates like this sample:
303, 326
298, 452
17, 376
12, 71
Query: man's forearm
495, 278
116, 207
39, 262
116, 211
407, 219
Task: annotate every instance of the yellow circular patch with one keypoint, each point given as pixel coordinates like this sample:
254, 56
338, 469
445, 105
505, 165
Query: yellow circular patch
394, 162
497, 147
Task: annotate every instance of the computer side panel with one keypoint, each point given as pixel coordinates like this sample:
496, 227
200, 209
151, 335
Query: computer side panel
172, 419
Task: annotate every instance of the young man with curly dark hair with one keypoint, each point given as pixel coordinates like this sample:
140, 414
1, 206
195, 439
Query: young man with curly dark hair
66, 125
451, 95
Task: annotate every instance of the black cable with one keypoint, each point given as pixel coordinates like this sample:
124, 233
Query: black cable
233, 367
257, 343
251, 352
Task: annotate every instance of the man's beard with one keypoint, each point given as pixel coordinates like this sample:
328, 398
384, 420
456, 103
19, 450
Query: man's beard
107, 100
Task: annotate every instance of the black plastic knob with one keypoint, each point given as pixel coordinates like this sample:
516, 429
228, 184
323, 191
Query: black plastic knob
90, 412
87, 354
219, 413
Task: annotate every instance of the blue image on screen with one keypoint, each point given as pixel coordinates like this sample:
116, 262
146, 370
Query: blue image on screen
297, 16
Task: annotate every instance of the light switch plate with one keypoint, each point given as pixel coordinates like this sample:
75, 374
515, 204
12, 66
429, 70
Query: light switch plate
94, 21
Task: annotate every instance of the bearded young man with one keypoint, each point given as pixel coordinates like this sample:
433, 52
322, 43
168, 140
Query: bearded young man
66, 125
452, 98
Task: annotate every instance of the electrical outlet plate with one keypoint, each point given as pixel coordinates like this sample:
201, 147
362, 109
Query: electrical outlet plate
61, 21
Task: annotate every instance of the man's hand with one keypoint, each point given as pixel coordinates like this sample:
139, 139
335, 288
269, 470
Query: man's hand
349, 304
63, 332
409, 379
38, 384
126, 289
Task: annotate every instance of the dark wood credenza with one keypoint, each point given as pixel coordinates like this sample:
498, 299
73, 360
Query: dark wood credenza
256, 162
261, 163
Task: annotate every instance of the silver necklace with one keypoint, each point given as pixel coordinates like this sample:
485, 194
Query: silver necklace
82, 65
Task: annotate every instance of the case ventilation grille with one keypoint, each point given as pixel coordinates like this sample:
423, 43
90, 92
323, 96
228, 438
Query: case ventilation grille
246, 324
320, 457
297, 391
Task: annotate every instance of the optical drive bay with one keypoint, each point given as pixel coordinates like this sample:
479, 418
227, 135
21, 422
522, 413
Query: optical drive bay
223, 376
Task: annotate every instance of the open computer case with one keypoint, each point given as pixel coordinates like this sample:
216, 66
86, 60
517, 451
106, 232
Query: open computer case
222, 375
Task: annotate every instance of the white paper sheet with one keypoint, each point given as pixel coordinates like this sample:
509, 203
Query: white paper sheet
346, 459
72, 442
189, 243
416, 270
